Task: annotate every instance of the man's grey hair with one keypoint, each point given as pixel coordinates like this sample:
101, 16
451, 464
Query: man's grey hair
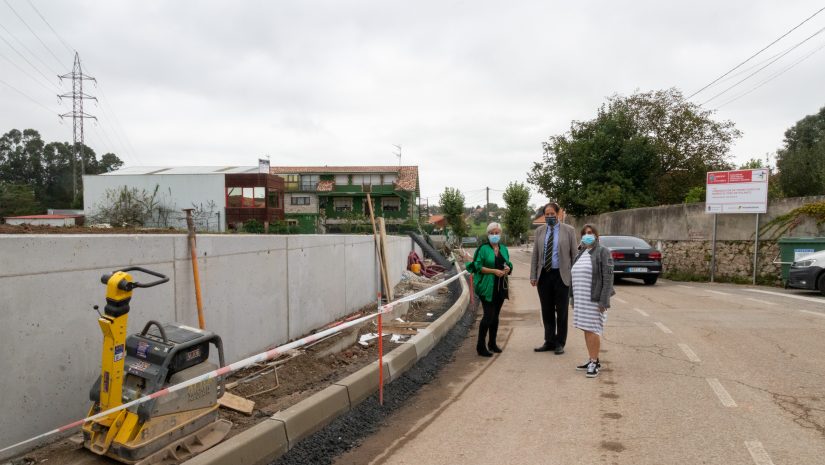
492, 226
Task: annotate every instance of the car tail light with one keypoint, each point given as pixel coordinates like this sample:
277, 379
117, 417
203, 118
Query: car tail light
655, 255
617, 255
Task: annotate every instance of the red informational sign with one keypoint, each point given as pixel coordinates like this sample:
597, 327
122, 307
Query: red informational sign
740, 191
729, 177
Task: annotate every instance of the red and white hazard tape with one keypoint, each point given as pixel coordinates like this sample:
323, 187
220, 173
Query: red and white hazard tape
261, 357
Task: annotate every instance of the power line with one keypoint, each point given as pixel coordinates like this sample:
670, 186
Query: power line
117, 128
757, 53
25, 59
773, 76
26, 96
32, 31
71, 50
763, 67
34, 55
30, 76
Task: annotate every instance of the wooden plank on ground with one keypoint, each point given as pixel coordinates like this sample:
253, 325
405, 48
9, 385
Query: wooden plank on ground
403, 331
237, 403
406, 324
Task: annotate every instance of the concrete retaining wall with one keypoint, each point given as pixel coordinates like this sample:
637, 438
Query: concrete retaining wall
258, 291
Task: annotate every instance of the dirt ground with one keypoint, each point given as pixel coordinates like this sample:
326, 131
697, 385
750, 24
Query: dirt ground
301, 374
29, 229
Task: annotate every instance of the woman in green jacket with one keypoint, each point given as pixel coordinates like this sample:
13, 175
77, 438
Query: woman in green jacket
490, 267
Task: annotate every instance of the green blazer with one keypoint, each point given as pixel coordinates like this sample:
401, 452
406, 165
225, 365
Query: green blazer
486, 257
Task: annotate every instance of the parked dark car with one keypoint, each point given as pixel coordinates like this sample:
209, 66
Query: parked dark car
808, 273
633, 258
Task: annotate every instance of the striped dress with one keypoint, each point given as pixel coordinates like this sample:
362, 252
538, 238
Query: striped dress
586, 314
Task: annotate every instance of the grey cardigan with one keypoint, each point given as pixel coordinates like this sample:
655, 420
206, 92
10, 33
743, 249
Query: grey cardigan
601, 287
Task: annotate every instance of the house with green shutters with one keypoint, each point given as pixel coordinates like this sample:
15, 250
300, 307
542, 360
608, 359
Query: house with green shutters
319, 199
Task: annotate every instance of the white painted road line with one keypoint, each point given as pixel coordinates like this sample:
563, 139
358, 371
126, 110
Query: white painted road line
691, 355
721, 393
686, 287
641, 312
718, 292
621, 301
664, 328
758, 453
813, 313
782, 294
763, 302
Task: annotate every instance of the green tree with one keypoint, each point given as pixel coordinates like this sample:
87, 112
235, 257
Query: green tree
801, 160
48, 167
752, 164
517, 214
696, 194
452, 206
18, 199
646, 149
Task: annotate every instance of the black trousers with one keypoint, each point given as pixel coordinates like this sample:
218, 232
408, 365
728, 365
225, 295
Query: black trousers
554, 297
489, 322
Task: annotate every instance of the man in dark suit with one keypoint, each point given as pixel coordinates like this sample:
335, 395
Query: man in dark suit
553, 253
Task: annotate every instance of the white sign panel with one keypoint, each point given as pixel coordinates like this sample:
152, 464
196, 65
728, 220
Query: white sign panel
741, 191
263, 166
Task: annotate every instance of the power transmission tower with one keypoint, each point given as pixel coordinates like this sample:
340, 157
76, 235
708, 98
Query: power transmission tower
78, 115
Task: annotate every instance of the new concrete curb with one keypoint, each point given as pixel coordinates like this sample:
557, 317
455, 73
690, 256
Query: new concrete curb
268, 440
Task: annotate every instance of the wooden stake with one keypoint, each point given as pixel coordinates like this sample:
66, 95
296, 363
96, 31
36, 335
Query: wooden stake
379, 254
190, 224
382, 233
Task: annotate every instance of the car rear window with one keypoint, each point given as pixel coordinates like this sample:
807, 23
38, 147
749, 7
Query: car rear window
624, 242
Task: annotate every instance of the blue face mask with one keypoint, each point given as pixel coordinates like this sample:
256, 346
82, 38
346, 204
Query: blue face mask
494, 238
588, 239
550, 220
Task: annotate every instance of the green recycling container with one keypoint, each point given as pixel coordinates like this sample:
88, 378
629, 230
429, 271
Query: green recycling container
794, 248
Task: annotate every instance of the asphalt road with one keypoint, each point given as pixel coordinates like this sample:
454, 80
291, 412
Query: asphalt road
691, 374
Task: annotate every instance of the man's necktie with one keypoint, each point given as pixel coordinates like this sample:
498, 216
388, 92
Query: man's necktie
548, 249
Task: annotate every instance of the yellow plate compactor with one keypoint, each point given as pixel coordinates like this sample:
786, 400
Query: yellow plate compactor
170, 428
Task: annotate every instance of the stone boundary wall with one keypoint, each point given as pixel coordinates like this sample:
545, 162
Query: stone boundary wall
684, 235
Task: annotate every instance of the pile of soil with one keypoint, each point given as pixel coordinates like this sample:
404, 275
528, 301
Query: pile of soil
29, 229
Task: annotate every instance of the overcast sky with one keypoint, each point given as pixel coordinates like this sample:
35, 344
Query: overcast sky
469, 89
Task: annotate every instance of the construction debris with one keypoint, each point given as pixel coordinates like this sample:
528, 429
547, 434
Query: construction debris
236, 403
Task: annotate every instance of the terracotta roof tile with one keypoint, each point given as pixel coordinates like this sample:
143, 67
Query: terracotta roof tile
407, 178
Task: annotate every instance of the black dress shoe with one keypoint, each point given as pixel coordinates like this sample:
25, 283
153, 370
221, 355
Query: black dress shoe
484, 352
544, 348
494, 348
559, 350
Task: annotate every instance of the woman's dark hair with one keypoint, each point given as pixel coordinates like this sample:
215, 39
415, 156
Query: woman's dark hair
552, 205
592, 228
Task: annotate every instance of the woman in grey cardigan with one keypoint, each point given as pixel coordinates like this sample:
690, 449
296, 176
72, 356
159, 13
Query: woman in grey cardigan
592, 287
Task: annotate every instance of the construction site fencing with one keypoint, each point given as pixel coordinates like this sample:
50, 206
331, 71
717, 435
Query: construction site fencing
233, 367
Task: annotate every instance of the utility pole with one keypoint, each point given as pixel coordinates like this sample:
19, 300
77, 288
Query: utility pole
78, 115
398, 153
487, 207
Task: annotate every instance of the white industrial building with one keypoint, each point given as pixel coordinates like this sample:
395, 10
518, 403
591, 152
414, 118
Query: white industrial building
200, 187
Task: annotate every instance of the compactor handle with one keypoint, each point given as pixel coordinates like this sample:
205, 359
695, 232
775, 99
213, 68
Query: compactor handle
127, 286
154, 323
